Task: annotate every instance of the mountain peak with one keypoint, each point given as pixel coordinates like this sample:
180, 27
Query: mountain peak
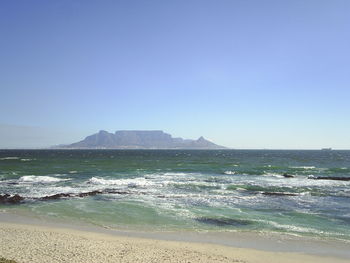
140, 139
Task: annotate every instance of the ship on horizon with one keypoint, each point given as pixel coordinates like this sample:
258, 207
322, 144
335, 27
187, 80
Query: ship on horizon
326, 149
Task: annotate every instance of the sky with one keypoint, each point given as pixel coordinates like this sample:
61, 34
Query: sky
245, 74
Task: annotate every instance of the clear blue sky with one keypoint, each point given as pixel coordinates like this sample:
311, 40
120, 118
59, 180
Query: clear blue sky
243, 73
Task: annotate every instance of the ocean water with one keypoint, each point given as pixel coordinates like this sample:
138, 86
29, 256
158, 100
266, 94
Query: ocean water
195, 190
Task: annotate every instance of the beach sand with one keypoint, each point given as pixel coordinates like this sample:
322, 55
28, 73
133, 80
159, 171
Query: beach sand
42, 244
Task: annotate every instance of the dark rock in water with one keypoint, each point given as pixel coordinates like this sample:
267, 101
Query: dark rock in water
4, 198
16, 199
92, 193
109, 191
62, 195
223, 221
279, 194
56, 196
8, 199
337, 178
288, 175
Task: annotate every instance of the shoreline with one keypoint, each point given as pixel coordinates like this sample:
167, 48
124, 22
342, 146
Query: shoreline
23, 237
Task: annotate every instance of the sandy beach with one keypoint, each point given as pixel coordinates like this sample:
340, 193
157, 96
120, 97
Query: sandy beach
31, 243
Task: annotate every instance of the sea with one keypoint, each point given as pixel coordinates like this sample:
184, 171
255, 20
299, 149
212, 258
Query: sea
294, 192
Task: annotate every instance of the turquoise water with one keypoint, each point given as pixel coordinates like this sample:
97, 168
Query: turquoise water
217, 190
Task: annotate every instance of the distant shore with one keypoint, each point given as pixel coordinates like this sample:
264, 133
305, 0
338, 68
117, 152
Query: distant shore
53, 242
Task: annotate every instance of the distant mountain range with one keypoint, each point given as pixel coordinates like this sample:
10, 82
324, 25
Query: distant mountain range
139, 140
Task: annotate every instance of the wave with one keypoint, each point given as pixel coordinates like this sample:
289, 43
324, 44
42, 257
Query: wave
177, 174
294, 228
58, 175
195, 186
303, 167
172, 175
136, 182
9, 158
279, 190
257, 173
258, 188
274, 175
40, 179
340, 170
303, 229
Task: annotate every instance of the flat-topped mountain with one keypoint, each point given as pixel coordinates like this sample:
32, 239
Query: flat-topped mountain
140, 140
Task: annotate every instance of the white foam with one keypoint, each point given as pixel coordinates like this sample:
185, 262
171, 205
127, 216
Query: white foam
38, 192
172, 176
58, 175
177, 174
229, 172
136, 182
27, 160
300, 182
304, 167
9, 158
273, 175
73, 172
193, 184
39, 179
294, 228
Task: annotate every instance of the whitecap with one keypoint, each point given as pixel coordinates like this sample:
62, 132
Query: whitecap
229, 172
26, 160
172, 175
176, 174
302, 182
303, 167
9, 158
136, 182
39, 192
58, 175
273, 175
39, 179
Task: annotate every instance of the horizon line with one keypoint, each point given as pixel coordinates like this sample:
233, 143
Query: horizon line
204, 149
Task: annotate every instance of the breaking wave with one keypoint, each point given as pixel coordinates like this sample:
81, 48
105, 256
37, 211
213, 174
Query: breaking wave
136, 182
40, 179
9, 158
